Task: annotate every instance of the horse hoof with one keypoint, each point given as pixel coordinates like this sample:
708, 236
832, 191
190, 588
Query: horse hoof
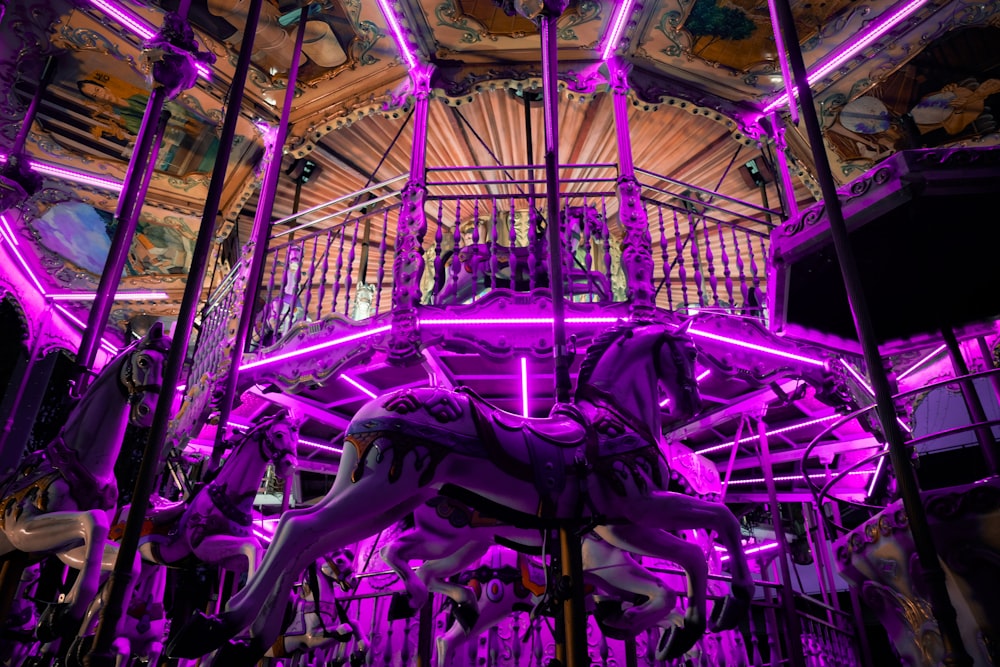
728, 612
399, 607
608, 614
55, 623
200, 635
678, 640
239, 653
466, 614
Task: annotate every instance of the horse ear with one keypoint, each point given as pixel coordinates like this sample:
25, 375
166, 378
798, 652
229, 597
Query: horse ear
682, 330
156, 330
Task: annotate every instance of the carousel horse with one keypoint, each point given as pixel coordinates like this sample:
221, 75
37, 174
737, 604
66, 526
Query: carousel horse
214, 527
449, 537
594, 461
510, 581
320, 623
18, 631
59, 500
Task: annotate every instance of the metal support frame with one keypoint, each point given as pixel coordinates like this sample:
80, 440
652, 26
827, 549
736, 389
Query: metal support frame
100, 655
955, 654
984, 435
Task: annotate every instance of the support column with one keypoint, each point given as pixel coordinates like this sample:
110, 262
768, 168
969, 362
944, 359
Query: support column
258, 246
781, 157
955, 654
408, 266
179, 64
637, 247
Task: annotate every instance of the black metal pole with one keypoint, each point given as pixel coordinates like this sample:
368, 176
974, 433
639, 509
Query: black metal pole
955, 654
126, 217
100, 655
258, 243
29, 114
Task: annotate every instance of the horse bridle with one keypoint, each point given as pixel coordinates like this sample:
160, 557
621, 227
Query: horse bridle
127, 378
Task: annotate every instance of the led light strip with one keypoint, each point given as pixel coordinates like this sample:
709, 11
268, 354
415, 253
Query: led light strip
758, 348
119, 296
701, 376
767, 546
618, 23
357, 385
792, 478
524, 386
398, 35
139, 27
783, 429
850, 49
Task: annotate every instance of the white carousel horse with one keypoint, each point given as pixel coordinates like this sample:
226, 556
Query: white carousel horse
59, 501
448, 537
214, 527
18, 631
320, 623
509, 581
596, 459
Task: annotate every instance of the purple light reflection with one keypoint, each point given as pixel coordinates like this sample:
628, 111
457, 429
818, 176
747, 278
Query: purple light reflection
851, 48
357, 385
524, 386
792, 478
398, 35
783, 429
758, 348
614, 36
258, 363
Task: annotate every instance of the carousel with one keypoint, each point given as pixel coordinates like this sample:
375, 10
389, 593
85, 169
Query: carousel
536, 333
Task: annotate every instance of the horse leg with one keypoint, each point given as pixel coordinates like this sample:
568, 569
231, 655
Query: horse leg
688, 512
410, 545
303, 536
435, 573
659, 544
225, 549
48, 532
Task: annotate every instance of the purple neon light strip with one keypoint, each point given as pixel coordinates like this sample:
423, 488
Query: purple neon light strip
9, 232
701, 376
524, 386
75, 176
871, 392
108, 347
357, 385
119, 296
617, 27
397, 34
878, 470
546, 321
783, 429
779, 43
792, 478
758, 348
920, 363
139, 27
257, 363
850, 49
767, 546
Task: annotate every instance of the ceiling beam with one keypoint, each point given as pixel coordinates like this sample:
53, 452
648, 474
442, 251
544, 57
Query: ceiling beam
750, 403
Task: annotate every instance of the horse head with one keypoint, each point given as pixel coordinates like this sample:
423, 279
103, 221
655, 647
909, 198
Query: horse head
141, 374
339, 568
279, 438
674, 357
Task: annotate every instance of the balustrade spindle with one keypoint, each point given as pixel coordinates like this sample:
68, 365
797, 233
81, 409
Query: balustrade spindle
696, 258
267, 313
588, 260
754, 272
740, 266
537, 643
726, 271
713, 282
665, 258
388, 654
382, 252
679, 258
327, 242
404, 651
456, 245
534, 260
512, 239
650, 655
493, 252
607, 245
438, 259
349, 280
309, 282
474, 259
338, 272
515, 639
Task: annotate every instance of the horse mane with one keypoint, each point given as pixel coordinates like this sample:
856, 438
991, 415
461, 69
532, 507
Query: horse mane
600, 345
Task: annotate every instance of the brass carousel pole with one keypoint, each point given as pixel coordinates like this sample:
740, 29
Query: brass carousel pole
955, 654
101, 653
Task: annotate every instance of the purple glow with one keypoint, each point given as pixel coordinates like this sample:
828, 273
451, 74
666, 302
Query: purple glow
524, 386
871, 392
313, 348
767, 546
779, 43
851, 48
108, 347
357, 385
23, 262
792, 478
758, 348
320, 445
701, 376
138, 26
119, 296
75, 176
547, 321
783, 429
617, 27
398, 35
878, 469
920, 363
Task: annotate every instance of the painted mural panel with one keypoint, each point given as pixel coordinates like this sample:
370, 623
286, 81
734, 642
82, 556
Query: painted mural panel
946, 95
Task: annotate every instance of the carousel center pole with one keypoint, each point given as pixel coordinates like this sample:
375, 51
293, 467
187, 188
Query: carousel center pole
101, 653
955, 654
574, 645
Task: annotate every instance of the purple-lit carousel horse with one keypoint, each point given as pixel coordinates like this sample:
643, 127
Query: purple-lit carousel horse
61, 498
212, 527
507, 581
320, 627
595, 460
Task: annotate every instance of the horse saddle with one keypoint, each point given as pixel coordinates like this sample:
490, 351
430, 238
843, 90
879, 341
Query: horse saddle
558, 429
